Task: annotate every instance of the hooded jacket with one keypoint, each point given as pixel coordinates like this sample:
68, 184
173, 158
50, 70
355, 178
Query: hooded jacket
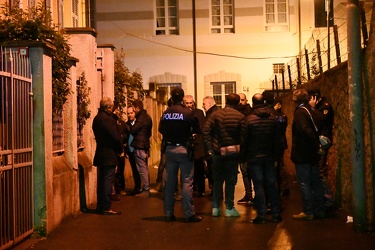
262, 134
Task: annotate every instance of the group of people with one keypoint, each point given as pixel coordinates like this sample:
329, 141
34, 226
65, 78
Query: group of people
115, 138
213, 144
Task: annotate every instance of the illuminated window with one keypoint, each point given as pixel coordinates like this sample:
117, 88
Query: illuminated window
222, 18
220, 90
276, 15
166, 17
278, 68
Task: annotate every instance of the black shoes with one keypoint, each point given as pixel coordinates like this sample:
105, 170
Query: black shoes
135, 191
110, 212
170, 218
259, 220
246, 200
193, 218
277, 218
115, 197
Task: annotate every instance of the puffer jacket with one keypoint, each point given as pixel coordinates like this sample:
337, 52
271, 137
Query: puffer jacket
223, 128
262, 133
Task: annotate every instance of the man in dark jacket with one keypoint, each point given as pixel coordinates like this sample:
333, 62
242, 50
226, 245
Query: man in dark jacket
261, 144
305, 155
327, 115
124, 134
130, 152
224, 130
141, 132
248, 199
209, 106
177, 126
199, 148
108, 148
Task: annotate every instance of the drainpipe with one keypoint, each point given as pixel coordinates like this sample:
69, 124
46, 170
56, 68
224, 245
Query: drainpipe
195, 52
356, 115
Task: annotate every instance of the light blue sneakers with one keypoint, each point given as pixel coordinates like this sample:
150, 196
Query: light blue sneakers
232, 213
216, 212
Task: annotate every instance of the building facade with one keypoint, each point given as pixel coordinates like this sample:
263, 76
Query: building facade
207, 47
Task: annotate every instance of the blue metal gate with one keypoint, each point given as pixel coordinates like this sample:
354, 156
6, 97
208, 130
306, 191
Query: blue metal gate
16, 148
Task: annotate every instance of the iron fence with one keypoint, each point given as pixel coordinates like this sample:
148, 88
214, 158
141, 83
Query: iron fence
321, 52
16, 148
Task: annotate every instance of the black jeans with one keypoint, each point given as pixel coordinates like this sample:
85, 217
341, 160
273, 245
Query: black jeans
105, 178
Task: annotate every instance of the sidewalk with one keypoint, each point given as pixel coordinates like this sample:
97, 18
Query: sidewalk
141, 226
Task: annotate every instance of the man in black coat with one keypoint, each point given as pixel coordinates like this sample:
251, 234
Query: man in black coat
108, 148
305, 155
199, 148
261, 144
248, 199
141, 132
223, 131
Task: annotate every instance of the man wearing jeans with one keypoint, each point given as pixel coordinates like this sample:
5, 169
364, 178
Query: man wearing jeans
224, 128
305, 148
177, 126
141, 132
262, 142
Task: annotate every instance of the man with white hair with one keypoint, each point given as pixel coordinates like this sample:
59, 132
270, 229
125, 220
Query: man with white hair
108, 148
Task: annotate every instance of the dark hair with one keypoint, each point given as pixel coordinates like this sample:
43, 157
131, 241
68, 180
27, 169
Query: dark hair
138, 104
232, 100
257, 99
268, 97
314, 92
301, 96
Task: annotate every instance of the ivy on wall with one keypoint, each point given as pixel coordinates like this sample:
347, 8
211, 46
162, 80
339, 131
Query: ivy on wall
35, 24
83, 102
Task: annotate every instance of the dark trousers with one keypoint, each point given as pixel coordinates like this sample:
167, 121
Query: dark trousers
119, 176
105, 179
199, 177
136, 176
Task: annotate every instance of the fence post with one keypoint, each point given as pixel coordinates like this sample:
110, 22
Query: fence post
290, 78
298, 72
276, 86
337, 44
307, 64
364, 27
283, 79
319, 56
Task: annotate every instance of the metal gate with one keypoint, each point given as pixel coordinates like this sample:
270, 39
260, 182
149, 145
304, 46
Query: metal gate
16, 148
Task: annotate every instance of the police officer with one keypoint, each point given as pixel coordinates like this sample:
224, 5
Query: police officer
177, 126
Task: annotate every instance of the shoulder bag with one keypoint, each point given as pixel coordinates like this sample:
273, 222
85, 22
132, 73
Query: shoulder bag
324, 140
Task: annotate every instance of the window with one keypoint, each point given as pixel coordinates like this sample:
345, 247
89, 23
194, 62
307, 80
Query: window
220, 90
163, 91
276, 14
222, 20
278, 68
166, 17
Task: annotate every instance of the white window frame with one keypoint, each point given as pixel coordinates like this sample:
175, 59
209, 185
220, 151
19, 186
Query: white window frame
60, 13
75, 18
276, 15
223, 6
164, 13
224, 89
278, 68
167, 87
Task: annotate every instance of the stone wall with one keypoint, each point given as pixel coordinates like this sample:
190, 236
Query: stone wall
333, 84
